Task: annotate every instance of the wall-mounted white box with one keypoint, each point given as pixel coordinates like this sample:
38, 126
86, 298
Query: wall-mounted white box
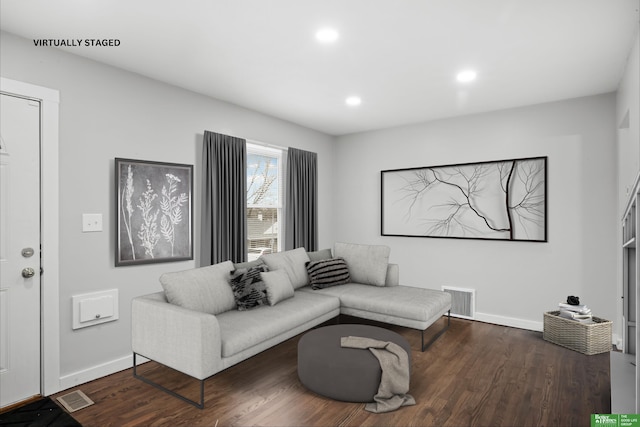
94, 308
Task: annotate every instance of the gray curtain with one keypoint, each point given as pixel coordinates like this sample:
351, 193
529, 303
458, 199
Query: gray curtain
301, 200
224, 203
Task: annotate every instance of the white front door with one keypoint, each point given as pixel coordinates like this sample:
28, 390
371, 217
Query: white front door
19, 249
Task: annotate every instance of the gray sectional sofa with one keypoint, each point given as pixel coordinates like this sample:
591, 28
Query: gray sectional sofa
200, 324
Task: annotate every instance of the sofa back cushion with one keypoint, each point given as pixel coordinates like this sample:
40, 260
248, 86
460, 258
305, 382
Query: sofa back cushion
367, 263
204, 289
292, 262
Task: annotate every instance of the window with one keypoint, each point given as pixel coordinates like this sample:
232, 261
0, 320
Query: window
264, 200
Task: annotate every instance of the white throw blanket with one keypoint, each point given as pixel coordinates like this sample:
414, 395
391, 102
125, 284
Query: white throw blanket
394, 384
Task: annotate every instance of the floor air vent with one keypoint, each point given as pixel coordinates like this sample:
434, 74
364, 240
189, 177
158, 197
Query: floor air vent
75, 400
463, 302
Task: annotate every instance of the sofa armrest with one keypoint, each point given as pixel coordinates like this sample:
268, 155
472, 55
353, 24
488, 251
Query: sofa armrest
393, 275
185, 340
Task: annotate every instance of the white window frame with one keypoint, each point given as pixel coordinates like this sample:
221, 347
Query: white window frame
254, 147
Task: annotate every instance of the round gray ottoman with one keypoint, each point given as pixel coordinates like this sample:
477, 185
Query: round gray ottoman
347, 374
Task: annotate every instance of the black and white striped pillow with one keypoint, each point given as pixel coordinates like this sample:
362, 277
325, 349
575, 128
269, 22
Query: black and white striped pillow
328, 272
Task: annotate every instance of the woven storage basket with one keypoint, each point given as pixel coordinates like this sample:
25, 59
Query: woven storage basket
587, 339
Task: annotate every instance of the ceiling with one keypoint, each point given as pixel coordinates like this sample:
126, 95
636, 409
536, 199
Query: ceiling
400, 57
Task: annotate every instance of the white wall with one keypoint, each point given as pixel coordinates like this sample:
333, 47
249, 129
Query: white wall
106, 113
627, 117
515, 281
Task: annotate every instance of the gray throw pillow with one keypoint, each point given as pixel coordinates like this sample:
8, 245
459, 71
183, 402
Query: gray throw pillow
292, 262
327, 272
248, 264
319, 255
279, 287
367, 263
248, 288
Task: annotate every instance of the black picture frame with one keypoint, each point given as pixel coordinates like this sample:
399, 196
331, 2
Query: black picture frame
154, 212
490, 200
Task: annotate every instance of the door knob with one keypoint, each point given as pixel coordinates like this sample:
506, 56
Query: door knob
28, 272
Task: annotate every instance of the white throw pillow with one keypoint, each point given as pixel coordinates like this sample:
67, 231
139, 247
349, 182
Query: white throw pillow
367, 263
278, 286
292, 262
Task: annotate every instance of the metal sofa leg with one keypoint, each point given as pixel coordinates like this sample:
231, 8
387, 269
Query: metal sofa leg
199, 405
436, 336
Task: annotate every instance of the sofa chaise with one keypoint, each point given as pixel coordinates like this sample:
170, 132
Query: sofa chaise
210, 318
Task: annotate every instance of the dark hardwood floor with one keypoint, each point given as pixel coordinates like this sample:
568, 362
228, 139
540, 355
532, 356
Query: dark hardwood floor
476, 374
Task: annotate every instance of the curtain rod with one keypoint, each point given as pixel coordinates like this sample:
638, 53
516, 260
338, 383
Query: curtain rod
253, 141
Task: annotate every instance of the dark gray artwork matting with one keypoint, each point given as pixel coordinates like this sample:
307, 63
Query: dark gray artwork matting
502, 200
154, 212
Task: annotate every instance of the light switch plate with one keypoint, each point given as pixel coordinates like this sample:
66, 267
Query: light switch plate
91, 223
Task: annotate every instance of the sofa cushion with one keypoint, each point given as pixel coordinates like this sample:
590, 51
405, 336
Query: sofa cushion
367, 263
398, 301
240, 332
292, 262
249, 264
248, 288
204, 289
393, 275
420, 306
319, 255
279, 287
327, 272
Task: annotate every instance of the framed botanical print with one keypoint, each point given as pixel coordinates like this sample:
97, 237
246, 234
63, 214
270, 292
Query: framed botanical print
154, 211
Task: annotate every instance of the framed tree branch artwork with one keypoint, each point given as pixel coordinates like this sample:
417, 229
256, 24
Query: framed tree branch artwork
496, 200
154, 211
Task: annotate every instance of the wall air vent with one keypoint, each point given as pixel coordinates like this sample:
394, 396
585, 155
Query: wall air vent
463, 301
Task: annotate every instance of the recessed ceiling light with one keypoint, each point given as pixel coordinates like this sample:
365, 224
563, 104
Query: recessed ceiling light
353, 101
466, 76
327, 35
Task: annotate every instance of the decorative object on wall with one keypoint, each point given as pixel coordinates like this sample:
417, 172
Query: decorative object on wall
154, 212
500, 200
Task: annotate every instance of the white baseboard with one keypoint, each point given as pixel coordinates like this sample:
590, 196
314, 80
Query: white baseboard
509, 321
99, 371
